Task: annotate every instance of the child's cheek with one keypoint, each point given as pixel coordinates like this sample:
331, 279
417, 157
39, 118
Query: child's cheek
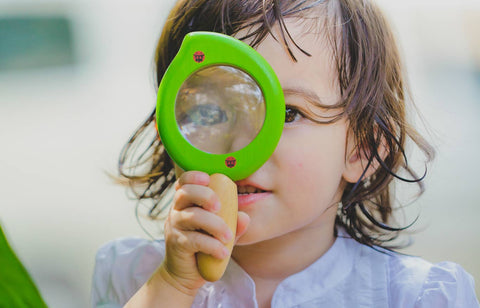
302, 168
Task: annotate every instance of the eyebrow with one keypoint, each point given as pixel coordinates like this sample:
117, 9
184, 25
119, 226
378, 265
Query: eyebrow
312, 98
307, 94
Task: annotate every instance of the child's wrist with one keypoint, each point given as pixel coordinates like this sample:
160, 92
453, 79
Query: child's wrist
165, 277
162, 290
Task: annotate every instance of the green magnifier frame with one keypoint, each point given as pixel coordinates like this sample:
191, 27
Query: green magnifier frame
200, 50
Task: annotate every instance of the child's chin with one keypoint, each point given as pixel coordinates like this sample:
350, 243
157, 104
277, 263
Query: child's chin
242, 241
251, 238
246, 239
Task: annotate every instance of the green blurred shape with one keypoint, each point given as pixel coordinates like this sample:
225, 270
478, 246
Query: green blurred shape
35, 42
17, 289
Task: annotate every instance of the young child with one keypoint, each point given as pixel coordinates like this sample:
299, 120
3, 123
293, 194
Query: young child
315, 222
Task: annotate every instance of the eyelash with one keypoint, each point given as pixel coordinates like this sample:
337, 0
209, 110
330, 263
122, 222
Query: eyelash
296, 114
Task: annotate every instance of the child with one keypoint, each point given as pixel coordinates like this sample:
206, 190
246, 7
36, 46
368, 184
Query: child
315, 221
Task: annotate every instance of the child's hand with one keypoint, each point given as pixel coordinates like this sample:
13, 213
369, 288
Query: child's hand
192, 226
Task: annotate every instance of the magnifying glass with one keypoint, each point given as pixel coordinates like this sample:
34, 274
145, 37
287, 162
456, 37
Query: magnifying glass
221, 110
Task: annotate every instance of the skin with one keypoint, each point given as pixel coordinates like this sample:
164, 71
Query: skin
301, 185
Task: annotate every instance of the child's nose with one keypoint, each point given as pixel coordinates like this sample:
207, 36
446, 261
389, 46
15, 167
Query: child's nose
241, 140
246, 130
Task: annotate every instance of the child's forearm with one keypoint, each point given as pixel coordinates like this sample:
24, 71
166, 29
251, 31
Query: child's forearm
161, 290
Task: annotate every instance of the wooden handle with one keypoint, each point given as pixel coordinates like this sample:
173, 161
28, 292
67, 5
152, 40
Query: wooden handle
210, 267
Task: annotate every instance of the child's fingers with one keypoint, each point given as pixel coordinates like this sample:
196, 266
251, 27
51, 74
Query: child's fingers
193, 242
195, 218
192, 177
196, 195
242, 224
204, 243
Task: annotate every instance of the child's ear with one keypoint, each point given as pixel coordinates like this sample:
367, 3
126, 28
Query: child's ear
356, 160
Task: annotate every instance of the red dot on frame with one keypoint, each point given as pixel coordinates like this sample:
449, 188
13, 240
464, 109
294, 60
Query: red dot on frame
230, 162
199, 56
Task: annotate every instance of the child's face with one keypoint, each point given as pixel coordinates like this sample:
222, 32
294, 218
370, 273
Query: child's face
303, 179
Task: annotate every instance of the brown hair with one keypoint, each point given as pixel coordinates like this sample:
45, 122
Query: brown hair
372, 88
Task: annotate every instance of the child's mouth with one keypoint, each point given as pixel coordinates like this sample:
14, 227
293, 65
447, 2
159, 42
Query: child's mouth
248, 195
246, 190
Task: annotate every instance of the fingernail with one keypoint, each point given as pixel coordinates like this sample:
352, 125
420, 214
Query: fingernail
217, 206
228, 235
225, 252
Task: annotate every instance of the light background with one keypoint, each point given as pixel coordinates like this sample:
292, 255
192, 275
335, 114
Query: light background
62, 128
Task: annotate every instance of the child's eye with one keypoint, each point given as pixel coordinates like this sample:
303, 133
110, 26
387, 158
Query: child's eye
292, 114
206, 115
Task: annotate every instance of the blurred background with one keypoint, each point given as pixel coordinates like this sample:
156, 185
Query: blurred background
76, 80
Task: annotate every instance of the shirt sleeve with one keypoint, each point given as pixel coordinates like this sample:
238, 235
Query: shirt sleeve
447, 285
121, 268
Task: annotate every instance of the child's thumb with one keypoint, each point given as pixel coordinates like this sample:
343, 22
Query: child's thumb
242, 224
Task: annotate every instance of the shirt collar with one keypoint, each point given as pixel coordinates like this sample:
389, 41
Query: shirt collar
322, 275
325, 273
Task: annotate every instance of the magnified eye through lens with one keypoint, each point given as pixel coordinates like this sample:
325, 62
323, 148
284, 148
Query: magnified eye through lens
205, 115
220, 109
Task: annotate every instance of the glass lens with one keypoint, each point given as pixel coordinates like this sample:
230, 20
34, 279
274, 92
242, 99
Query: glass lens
220, 109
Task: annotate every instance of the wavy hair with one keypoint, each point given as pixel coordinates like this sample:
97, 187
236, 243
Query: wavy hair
373, 98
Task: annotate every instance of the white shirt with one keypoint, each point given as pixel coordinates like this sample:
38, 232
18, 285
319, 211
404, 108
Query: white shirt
348, 275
